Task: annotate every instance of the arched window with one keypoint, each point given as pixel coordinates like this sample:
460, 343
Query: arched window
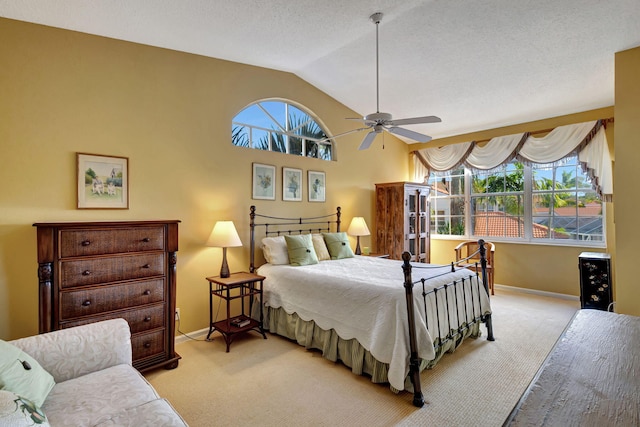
276, 125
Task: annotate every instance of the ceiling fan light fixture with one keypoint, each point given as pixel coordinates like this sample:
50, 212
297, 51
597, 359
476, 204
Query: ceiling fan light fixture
378, 117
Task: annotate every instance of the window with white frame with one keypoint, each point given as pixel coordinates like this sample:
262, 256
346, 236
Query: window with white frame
276, 125
552, 202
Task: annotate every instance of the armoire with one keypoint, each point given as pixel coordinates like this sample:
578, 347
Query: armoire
402, 220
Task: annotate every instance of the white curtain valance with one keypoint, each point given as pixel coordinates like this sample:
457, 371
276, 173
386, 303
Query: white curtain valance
447, 157
559, 143
588, 139
497, 151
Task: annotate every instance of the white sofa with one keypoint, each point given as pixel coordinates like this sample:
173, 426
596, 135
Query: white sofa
95, 382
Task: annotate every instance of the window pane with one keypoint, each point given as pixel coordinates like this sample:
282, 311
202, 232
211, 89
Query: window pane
260, 139
566, 177
240, 136
254, 116
276, 112
324, 152
448, 185
447, 212
564, 206
295, 146
278, 142
281, 127
505, 178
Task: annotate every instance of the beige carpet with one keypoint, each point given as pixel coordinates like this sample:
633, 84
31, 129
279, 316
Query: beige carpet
275, 382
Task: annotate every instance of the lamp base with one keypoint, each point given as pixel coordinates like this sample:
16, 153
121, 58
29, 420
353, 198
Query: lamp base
224, 270
358, 251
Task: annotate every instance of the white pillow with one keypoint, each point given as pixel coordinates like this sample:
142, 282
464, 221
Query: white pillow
321, 247
275, 250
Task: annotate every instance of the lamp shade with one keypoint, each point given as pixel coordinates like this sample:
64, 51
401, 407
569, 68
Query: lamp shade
358, 227
224, 235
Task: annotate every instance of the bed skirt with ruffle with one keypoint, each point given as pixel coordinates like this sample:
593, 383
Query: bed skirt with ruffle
349, 352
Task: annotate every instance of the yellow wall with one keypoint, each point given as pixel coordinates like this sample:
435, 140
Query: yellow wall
170, 113
627, 160
542, 267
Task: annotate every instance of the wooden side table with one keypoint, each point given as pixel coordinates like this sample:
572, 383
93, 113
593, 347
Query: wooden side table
238, 285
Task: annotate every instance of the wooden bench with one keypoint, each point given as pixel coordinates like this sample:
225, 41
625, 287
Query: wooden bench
591, 377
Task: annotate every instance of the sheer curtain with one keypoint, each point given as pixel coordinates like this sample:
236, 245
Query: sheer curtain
587, 139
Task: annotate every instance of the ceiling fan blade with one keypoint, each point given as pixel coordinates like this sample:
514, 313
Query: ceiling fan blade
342, 134
368, 140
416, 120
409, 134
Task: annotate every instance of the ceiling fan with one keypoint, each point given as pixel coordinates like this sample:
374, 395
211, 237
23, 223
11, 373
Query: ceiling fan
377, 122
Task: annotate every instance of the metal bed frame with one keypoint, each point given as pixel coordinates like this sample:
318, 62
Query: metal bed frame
281, 225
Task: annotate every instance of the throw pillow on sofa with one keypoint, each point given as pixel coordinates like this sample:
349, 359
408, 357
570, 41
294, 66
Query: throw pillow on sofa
17, 411
23, 375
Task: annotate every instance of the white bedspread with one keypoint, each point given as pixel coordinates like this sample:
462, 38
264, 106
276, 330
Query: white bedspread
364, 298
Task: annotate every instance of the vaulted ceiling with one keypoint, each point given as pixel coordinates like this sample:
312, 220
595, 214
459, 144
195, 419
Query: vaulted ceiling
477, 64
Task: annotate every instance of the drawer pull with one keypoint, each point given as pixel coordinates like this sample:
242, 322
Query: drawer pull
86, 273
147, 344
147, 319
86, 242
146, 266
87, 303
146, 240
147, 292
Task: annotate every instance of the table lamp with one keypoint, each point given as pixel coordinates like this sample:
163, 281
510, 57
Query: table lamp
358, 227
224, 235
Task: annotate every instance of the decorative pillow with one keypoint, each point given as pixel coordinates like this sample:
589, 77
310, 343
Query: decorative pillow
22, 375
321, 247
301, 250
275, 250
17, 411
338, 245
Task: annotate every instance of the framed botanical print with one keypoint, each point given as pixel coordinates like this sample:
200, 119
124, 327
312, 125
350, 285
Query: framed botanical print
317, 186
291, 184
264, 182
102, 181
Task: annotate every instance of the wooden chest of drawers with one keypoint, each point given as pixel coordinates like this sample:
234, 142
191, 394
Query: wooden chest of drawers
92, 271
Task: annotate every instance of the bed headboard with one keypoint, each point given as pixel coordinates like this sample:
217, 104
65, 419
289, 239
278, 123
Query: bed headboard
276, 226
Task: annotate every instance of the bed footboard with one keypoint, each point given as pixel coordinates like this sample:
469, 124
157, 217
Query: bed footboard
451, 310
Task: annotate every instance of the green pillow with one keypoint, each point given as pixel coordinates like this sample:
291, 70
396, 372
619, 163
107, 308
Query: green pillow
338, 245
19, 411
22, 375
301, 250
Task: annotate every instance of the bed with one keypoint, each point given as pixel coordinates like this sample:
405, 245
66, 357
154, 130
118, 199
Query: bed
363, 310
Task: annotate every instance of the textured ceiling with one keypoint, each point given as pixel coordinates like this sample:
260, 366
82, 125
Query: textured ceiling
477, 64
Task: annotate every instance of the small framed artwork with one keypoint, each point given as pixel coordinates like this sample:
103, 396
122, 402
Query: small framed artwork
264, 182
291, 185
103, 181
317, 186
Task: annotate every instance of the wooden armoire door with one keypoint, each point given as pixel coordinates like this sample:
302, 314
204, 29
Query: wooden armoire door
402, 220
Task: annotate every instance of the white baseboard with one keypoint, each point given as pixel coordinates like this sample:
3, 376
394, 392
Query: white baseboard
537, 292
200, 334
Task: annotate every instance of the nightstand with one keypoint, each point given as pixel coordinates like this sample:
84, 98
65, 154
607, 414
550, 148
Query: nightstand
238, 285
